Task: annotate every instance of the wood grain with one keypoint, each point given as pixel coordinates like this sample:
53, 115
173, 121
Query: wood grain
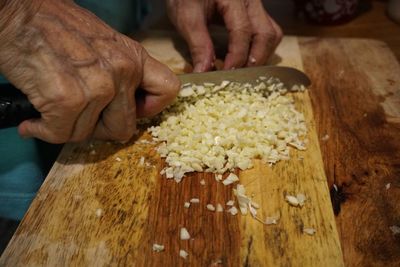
356, 99
107, 209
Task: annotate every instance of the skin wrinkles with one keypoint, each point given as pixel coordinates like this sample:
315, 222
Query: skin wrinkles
81, 75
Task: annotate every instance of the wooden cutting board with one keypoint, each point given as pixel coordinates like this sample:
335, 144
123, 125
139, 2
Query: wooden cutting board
106, 208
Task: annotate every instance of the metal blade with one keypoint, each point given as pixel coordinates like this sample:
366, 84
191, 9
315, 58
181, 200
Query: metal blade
288, 76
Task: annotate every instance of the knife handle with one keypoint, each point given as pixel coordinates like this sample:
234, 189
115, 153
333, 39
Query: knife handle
14, 107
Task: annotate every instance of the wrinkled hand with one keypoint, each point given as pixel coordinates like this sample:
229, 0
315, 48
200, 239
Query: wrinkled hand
253, 34
80, 74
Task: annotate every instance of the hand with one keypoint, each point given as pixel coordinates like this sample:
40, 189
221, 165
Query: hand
80, 74
253, 34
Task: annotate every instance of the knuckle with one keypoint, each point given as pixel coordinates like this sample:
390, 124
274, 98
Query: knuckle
123, 63
104, 94
270, 38
173, 86
68, 101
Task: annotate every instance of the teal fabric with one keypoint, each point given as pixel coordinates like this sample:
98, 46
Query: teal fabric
122, 15
24, 163
23, 166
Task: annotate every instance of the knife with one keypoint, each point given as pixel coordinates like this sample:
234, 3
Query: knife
15, 106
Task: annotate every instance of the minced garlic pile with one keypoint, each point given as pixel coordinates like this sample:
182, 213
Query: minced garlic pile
217, 128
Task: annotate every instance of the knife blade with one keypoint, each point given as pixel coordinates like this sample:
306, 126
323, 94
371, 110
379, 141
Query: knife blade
15, 106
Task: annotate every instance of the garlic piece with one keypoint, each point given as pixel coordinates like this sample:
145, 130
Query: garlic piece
184, 234
194, 200
210, 207
230, 179
219, 208
233, 210
158, 248
292, 200
183, 254
309, 231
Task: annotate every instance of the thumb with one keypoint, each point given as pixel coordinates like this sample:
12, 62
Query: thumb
158, 88
38, 128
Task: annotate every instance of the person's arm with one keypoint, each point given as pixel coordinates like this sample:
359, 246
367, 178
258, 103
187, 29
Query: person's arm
253, 34
80, 74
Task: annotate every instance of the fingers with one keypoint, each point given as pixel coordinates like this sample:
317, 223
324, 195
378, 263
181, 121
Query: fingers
118, 120
191, 22
238, 25
99, 91
160, 86
266, 34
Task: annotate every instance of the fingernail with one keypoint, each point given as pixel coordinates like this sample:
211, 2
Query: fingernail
252, 60
197, 68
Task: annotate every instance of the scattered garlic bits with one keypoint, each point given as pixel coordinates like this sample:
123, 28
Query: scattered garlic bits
217, 128
184, 234
210, 207
272, 220
183, 254
230, 179
296, 201
309, 231
158, 248
233, 210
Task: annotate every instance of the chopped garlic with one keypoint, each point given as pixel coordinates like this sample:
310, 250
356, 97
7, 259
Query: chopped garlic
158, 248
309, 231
230, 179
252, 210
183, 254
184, 234
292, 200
99, 212
387, 186
256, 121
254, 205
242, 199
118, 159
194, 200
230, 203
202, 182
186, 91
186, 205
218, 177
233, 210
219, 208
395, 229
301, 198
169, 172
271, 220
210, 207
141, 161
325, 138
